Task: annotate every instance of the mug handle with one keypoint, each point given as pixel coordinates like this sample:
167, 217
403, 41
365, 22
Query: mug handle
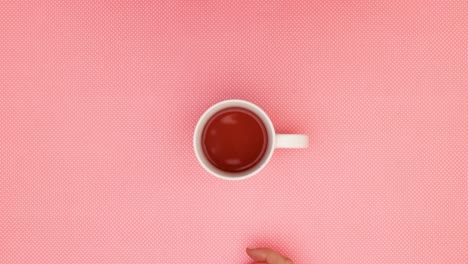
291, 141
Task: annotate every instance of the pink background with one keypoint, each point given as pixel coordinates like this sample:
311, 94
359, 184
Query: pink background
98, 103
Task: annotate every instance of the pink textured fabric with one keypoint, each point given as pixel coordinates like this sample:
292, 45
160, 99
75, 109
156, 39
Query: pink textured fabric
98, 102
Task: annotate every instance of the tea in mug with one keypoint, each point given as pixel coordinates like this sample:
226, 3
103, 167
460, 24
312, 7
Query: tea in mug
234, 139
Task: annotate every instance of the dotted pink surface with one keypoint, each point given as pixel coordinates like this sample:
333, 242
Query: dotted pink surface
98, 102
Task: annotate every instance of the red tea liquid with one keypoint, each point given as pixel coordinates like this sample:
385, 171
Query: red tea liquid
234, 139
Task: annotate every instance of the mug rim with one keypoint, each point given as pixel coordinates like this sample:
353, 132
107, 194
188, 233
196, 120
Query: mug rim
208, 113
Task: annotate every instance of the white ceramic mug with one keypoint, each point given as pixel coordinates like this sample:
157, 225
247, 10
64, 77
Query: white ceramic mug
274, 140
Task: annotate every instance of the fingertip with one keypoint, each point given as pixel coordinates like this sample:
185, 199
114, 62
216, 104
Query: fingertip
256, 254
267, 255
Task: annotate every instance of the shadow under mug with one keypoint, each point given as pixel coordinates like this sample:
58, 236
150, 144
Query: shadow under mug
274, 140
